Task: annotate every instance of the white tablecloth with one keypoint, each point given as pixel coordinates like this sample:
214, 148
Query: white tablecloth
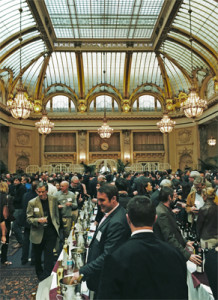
202, 292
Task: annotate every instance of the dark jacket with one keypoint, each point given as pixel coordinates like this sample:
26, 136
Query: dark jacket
19, 191
144, 268
7, 200
112, 233
207, 222
26, 198
166, 229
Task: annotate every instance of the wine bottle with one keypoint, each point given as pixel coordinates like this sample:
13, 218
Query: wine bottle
200, 268
186, 232
205, 251
195, 245
60, 274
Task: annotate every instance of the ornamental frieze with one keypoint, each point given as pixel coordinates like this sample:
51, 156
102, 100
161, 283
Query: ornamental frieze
23, 138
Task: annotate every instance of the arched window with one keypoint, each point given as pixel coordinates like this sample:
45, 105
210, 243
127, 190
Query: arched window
146, 103
98, 104
60, 103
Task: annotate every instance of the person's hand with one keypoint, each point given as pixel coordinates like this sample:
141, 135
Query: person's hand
190, 244
181, 204
43, 220
75, 277
68, 203
80, 199
60, 206
176, 211
94, 200
3, 239
194, 209
135, 193
196, 259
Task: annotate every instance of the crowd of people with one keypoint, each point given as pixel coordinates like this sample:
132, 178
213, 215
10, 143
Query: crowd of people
145, 222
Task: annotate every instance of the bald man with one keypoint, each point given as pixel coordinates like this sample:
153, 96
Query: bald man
68, 207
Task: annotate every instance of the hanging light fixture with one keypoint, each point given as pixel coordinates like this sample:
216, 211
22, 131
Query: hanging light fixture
194, 106
44, 125
105, 130
211, 141
20, 107
166, 125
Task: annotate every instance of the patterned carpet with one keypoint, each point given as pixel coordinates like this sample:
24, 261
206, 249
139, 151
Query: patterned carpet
17, 282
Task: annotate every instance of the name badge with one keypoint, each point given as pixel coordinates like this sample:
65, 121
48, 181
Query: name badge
98, 236
36, 209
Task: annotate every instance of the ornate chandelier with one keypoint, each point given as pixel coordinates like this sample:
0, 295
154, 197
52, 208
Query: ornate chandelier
105, 130
211, 141
166, 125
44, 125
20, 107
193, 107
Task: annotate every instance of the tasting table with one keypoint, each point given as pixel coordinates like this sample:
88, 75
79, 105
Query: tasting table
198, 287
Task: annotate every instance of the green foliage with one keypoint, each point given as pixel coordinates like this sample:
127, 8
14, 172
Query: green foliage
3, 167
121, 166
205, 165
89, 168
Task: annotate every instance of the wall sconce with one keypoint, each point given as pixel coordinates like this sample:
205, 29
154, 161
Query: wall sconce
82, 157
126, 157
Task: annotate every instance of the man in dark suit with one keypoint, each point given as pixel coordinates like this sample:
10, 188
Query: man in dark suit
167, 229
112, 231
144, 267
43, 217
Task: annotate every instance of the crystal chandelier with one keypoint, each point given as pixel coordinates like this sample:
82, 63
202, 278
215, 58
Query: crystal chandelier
44, 125
211, 141
166, 125
193, 107
20, 107
105, 130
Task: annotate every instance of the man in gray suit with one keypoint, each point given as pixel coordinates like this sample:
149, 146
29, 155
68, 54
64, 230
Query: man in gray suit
43, 217
167, 229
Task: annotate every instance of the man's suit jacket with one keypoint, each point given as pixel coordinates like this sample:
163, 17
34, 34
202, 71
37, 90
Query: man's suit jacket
167, 230
35, 211
144, 268
113, 232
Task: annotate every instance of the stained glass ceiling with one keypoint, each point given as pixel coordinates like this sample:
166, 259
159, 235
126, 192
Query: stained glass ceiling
104, 19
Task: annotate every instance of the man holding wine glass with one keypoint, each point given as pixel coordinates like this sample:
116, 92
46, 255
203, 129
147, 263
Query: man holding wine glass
43, 217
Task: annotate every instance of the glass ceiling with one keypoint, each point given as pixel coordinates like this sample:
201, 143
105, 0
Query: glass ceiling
10, 18
107, 19
104, 19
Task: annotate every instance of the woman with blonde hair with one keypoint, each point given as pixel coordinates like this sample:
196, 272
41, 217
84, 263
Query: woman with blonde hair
207, 221
6, 216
